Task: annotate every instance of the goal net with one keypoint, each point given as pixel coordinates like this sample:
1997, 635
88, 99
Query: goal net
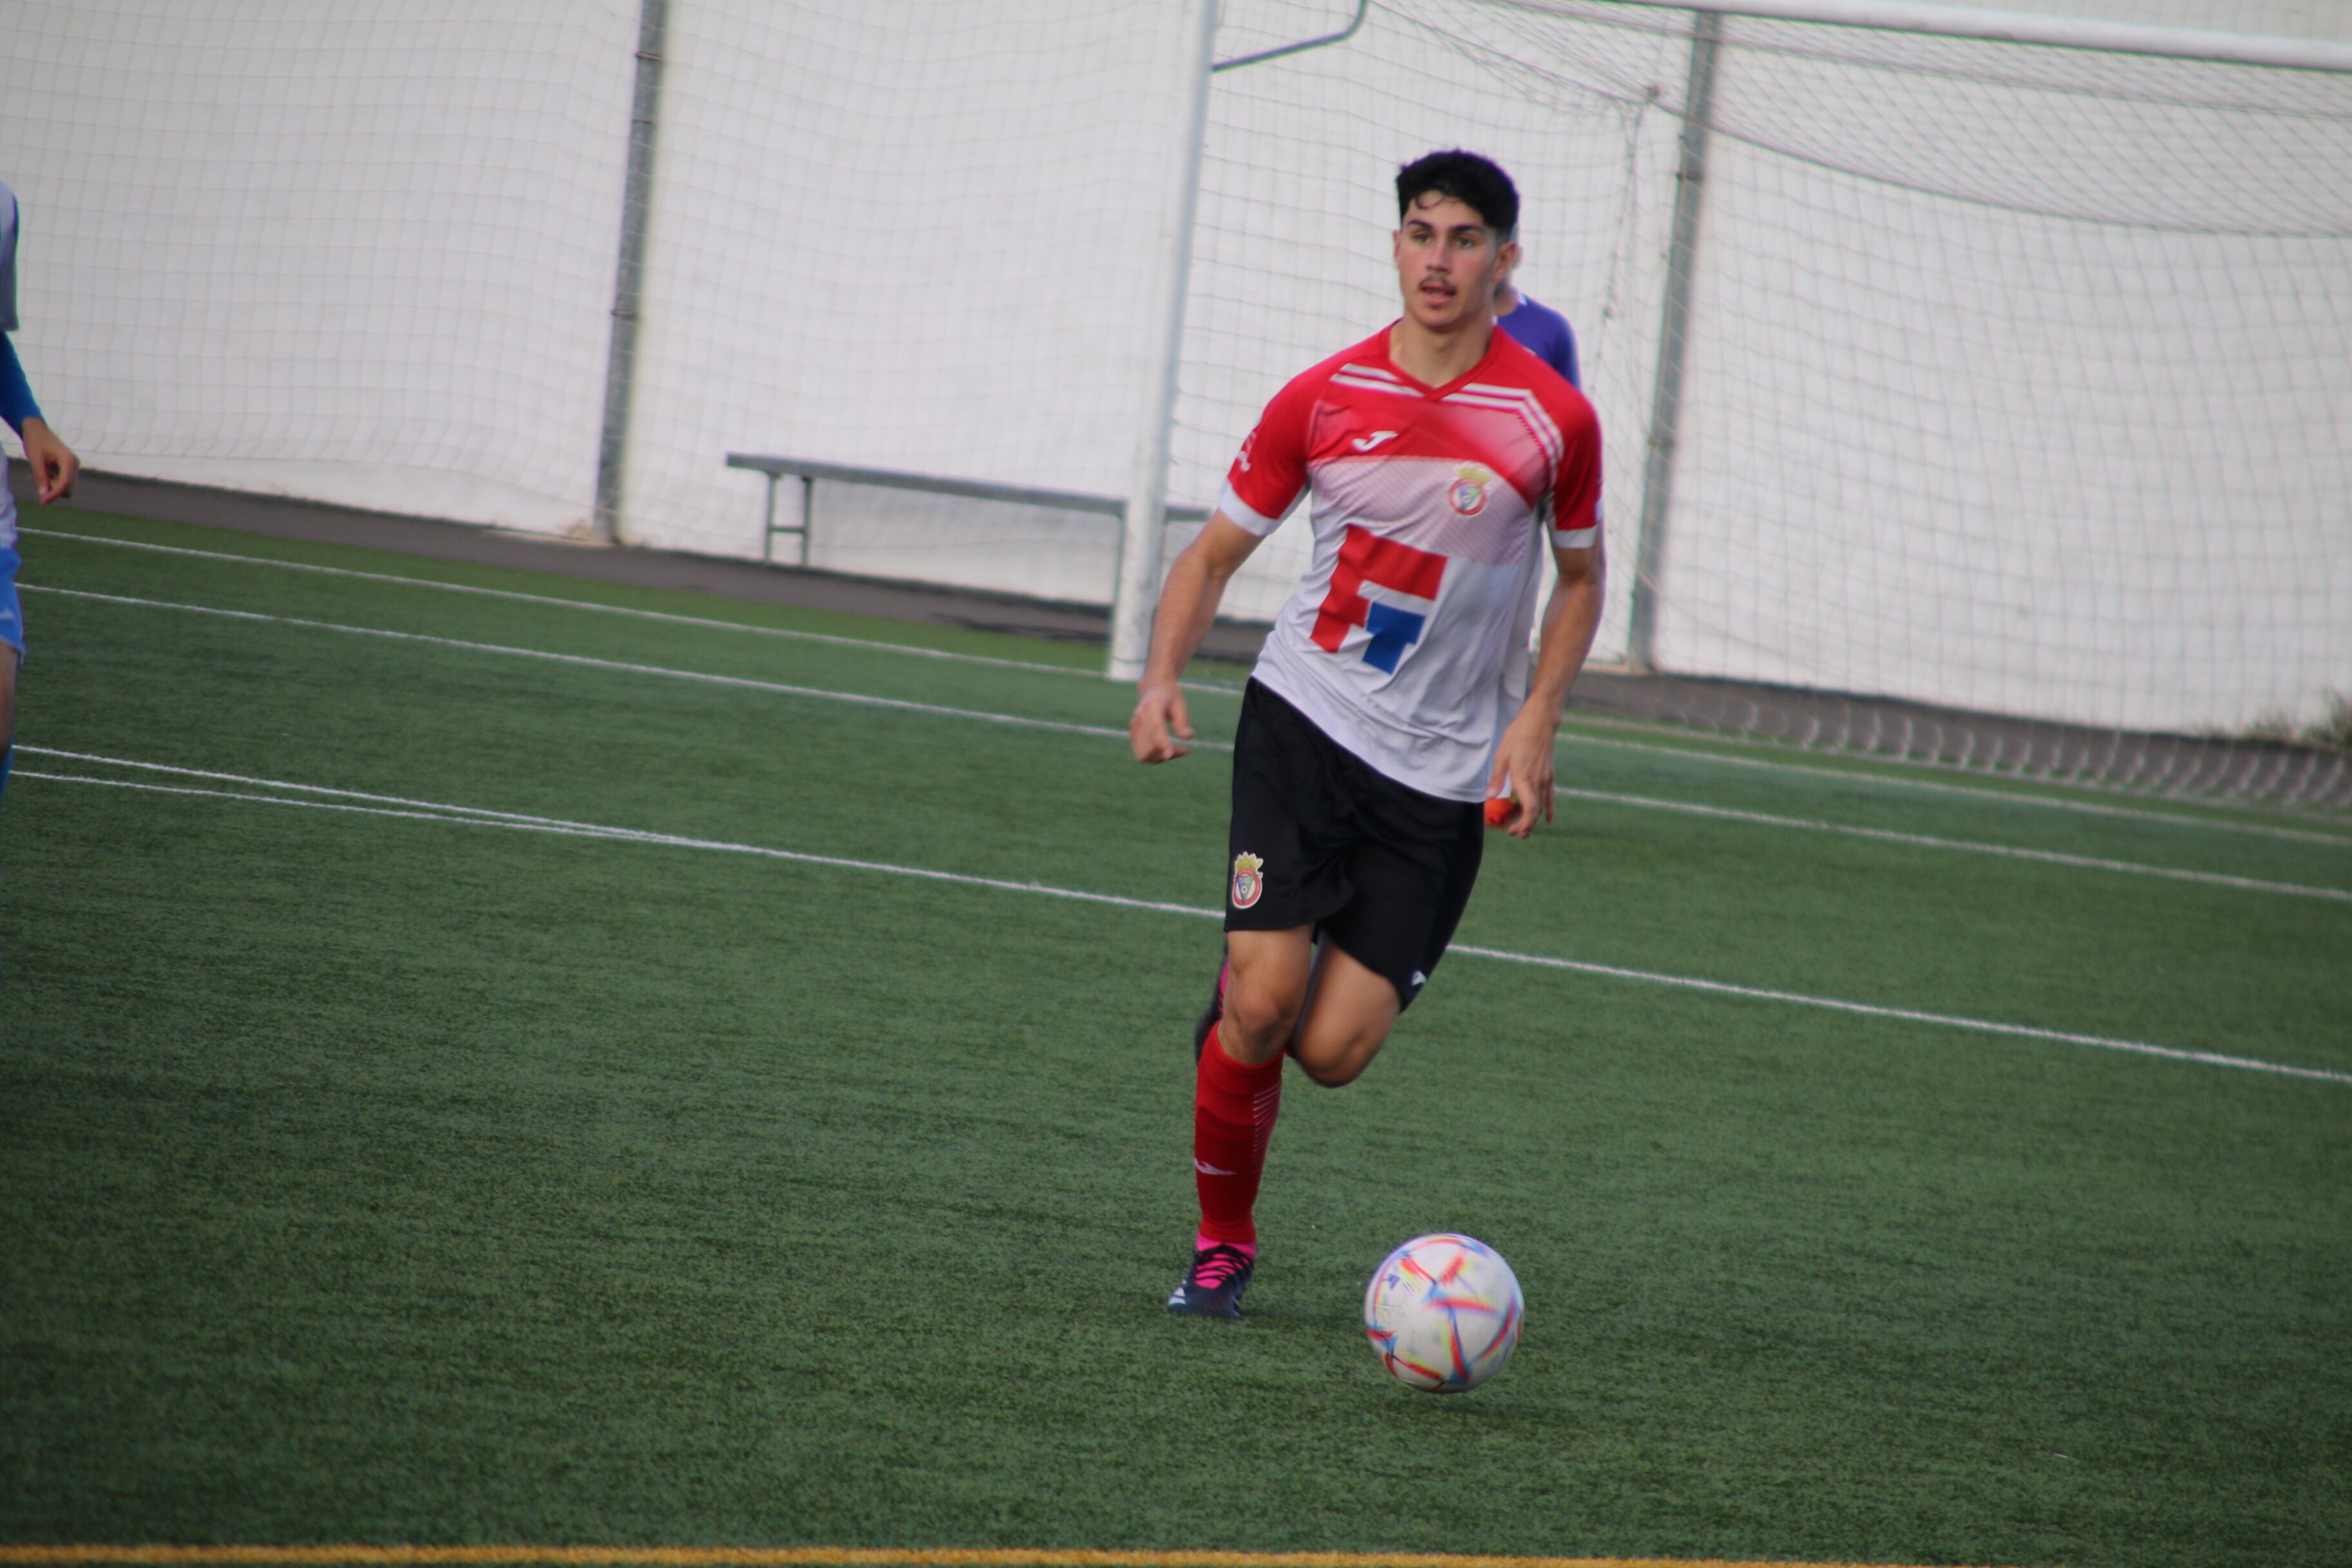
2015, 379
2009, 380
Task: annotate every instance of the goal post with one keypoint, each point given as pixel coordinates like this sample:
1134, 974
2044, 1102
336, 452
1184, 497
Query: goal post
2014, 353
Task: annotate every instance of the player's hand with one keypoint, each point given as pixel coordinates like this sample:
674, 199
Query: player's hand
1523, 773
1158, 709
54, 466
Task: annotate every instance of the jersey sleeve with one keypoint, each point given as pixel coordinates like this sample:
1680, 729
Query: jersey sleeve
7, 259
1270, 472
1576, 511
17, 404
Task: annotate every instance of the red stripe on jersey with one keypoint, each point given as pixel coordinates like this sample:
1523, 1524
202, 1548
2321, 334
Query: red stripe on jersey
1365, 557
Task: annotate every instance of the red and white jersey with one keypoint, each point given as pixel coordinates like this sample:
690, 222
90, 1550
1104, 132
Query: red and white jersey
1407, 640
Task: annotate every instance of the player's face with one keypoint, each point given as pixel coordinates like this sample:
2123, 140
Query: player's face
1448, 262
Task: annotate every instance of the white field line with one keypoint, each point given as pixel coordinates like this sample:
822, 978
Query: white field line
2016, 852
1937, 786
709, 622
1908, 1014
590, 662
1842, 774
1974, 847
478, 816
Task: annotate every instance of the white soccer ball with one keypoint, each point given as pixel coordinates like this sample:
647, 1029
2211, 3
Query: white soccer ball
1444, 1312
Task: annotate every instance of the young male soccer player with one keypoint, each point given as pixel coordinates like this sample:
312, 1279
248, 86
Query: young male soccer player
52, 464
1392, 697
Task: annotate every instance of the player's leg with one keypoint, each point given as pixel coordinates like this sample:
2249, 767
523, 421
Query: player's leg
1285, 876
7, 713
1237, 1097
12, 650
1350, 1012
1413, 878
1266, 978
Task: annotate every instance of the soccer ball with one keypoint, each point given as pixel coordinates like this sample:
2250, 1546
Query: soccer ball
1443, 1312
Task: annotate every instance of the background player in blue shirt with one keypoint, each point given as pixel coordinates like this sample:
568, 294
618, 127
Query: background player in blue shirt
52, 464
1541, 330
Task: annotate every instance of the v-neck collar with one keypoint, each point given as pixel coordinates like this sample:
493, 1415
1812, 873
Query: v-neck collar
1388, 358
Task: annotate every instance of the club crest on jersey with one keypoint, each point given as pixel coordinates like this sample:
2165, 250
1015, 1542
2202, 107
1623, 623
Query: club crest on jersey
1468, 496
1248, 886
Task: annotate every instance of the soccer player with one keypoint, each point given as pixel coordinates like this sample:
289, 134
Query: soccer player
1393, 697
1541, 330
54, 467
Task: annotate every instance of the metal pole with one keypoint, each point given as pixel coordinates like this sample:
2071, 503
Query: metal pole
628, 279
768, 524
1674, 340
1138, 590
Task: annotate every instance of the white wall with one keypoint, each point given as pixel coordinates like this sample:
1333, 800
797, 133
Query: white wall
904, 234
360, 255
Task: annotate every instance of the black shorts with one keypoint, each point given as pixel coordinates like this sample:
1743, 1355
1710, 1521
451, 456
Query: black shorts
1321, 838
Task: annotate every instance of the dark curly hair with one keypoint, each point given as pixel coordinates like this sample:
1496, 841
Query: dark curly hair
1478, 184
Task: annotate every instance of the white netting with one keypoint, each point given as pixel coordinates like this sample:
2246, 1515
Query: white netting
2017, 379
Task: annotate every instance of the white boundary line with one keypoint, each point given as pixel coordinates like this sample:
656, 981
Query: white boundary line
707, 622
591, 662
2047, 856
1974, 792
1975, 847
476, 816
2018, 797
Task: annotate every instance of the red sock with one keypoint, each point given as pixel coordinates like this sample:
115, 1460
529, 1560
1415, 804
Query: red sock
1233, 1108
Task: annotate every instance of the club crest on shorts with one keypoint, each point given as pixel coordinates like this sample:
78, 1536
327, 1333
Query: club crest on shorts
1468, 496
1248, 886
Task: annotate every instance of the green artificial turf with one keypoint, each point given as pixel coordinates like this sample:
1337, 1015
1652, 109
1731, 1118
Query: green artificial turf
368, 1178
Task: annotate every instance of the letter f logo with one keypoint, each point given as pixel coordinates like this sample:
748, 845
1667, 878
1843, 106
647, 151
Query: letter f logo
1365, 557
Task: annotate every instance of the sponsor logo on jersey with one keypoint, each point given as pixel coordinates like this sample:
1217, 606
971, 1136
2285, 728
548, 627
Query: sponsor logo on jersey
1248, 885
1365, 558
1366, 443
1468, 496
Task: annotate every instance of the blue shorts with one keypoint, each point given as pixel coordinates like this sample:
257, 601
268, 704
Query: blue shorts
12, 613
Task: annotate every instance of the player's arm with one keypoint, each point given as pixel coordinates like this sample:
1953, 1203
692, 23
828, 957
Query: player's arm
1571, 618
53, 463
1189, 597
1265, 481
1524, 759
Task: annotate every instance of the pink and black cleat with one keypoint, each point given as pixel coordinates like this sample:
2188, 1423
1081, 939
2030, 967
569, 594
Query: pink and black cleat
1212, 1287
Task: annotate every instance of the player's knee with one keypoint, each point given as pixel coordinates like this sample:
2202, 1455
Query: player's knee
1335, 1074
1258, 1017
1335, 1065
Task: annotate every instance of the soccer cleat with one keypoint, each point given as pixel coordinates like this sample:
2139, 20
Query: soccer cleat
1214, 1011
1212, 1287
